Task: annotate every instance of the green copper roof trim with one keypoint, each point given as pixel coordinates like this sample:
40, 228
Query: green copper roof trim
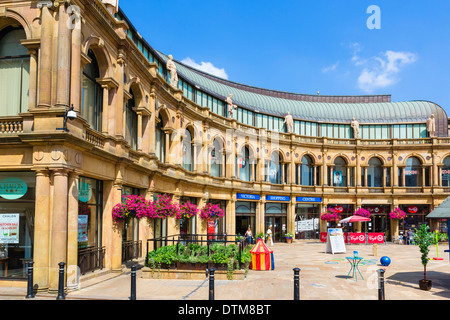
379, 112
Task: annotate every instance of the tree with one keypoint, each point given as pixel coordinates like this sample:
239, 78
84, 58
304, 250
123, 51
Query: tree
424, 239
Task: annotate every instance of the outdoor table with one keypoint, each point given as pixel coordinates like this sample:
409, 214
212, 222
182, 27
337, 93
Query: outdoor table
354, 262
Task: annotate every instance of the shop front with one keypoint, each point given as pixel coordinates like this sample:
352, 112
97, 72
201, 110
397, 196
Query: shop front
275, 214
380, 222
17, 212
245, 211
188, 225
343, 210
90, 217
219, 224
415, 216
131, 246
307, 217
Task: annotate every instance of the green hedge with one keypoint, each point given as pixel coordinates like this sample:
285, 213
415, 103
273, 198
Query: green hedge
194, 253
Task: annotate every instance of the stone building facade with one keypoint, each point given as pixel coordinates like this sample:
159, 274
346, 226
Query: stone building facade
135, 133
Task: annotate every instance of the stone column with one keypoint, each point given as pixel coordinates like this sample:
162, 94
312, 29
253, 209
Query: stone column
105, 116
75, 73
395, 170
231, 216
63, 59
32, 100
45, 56
291, 216
41, 252
112, 230
58, 242
72, 232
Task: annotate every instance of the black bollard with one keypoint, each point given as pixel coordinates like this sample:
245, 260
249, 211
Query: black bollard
133, 283
61, 282
381, 295
211, 284
30, 293
296, 284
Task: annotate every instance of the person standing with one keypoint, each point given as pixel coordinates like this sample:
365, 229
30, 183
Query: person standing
248, 235
410, 236
269, 240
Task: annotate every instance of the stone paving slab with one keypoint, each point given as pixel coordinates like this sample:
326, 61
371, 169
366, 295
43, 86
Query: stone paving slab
322, 277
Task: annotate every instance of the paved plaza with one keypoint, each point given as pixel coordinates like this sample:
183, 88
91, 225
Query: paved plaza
323, 276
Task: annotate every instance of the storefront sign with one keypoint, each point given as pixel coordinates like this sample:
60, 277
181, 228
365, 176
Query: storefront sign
376, 237
357, 237
9, 228
308, 199
84, 192
13, 188
411, 172
247, 196
339, 209
278, 198
82, 228
335, 241
413, 209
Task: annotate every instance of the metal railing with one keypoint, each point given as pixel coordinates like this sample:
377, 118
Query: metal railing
131, 250
201, 239
91, 259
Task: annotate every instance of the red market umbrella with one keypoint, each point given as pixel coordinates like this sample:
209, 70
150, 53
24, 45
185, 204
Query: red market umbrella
354, 219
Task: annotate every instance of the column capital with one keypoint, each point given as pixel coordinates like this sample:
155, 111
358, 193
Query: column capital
60, 171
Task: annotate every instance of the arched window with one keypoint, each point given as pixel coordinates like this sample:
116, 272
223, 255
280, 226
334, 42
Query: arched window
14, 72
307, 171
92, 97
131, 122
375, 173
243, 165
413, 172
160, 140
445, 172
188, 151
339, 177
217, 158
275, 168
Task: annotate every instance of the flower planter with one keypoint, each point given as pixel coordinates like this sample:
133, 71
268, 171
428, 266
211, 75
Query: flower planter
191, 266
288, 240
425, 284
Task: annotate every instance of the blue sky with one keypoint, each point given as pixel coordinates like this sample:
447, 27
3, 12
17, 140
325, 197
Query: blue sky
308, 46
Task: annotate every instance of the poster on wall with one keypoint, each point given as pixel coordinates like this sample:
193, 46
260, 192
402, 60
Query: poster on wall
335, 241
82, 228
337, 178
9, 228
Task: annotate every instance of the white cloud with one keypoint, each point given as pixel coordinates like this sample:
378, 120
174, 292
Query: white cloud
330, 68
207, 67
381, 71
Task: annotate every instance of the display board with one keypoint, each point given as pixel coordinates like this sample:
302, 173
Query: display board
335, 241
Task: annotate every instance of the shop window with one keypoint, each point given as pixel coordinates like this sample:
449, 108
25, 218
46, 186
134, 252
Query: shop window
17, 213
130, 230
375, 173
90, 212
217, 158
244, 166
14, 73
339, 172
413, 172
92, 96
160, 140
188, 151
131, 122
275, 168
445, 172
307, 171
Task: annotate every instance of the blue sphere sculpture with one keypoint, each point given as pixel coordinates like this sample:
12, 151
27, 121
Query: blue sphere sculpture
385, 261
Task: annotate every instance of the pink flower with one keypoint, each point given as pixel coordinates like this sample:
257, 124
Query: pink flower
188, 210
362, 212
330, 215
397, 214
164, 207
211, 211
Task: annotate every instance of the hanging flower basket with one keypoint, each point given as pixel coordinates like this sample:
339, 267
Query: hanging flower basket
131, 207
188, 210
164, 207
362, 212
398, 214
211, 211
330, 215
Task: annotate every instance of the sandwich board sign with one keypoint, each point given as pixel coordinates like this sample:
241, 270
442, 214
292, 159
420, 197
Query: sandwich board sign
335, 241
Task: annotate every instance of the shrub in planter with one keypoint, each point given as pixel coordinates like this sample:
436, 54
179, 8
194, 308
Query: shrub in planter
424, 239
289, 237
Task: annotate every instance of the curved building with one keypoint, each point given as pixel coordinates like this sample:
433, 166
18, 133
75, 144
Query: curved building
140, 131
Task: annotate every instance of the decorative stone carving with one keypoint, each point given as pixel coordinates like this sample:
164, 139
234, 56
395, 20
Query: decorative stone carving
289, 120
172, 68
431, 126
231, 106
355, 126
